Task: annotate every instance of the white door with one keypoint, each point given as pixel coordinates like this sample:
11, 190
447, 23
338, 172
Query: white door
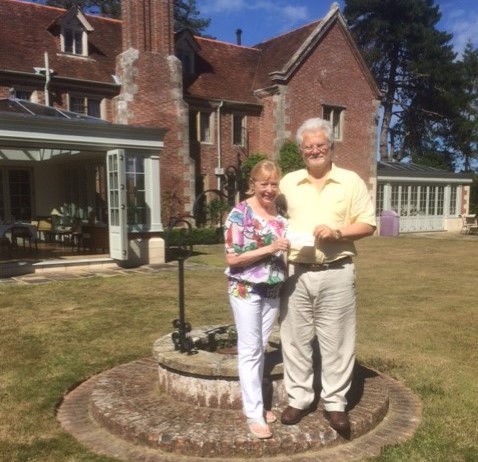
115, 165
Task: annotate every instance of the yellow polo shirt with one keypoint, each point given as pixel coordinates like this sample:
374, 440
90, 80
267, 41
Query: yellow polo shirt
344, 199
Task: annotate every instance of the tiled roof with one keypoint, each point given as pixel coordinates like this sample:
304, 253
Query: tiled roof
277, 52
225, 71
37, 38
401, 169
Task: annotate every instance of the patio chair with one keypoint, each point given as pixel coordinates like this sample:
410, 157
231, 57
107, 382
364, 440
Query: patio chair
74, 235
469, 224
24, 233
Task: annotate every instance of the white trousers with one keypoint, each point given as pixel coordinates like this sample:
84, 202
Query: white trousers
254, 318
322, 304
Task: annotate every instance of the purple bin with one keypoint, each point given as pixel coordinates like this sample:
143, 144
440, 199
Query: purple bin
389, 223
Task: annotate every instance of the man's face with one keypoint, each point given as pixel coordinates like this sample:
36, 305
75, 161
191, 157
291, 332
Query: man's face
315, 150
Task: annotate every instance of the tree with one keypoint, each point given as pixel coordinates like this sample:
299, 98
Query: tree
465, 124
109, 8
412, 63
186, 15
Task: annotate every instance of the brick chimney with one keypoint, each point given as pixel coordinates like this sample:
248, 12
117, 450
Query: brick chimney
148, 25
152, 86
147, 68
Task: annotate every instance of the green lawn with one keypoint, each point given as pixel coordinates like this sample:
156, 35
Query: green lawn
417, 322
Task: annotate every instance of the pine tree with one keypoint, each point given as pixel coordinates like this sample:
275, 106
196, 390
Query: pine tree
465, 125
412, 63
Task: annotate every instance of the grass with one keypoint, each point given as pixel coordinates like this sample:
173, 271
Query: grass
417, 322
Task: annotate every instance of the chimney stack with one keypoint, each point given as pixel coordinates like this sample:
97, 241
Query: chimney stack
238, 36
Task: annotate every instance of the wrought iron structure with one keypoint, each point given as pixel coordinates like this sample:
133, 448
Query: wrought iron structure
182, 249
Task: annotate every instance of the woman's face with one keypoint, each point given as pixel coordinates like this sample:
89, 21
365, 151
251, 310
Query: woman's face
266, 189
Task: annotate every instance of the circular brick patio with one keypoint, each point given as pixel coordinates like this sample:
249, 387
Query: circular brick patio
125, 413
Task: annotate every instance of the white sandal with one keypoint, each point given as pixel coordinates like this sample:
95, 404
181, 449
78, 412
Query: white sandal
259, 429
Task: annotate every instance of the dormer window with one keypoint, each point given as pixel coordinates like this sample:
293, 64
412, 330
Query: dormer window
74, 29
186, 49
73, 41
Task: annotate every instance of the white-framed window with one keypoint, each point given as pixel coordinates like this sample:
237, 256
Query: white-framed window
452, 209
205, 127
74, 39
238, 129
85, 105
335, 115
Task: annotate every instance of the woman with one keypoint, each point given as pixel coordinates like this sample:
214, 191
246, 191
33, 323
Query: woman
255, 246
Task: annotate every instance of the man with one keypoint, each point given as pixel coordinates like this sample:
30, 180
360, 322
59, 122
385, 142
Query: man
328, 208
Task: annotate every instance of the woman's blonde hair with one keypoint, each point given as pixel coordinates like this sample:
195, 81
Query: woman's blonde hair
263, 170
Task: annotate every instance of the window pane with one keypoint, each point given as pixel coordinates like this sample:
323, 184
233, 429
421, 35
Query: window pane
453, 194
94, 108
68, 41
78, 42
135, 191
205, 128
238, 130
19, 184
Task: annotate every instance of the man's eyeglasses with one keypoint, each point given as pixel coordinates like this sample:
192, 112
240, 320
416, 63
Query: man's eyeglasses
317, 147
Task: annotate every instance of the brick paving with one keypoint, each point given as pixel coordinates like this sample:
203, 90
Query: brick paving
121, 413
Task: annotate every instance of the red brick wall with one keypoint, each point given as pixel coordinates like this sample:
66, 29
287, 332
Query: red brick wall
332, 76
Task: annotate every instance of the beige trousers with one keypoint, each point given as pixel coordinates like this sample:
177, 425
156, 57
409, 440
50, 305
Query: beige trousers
319, 305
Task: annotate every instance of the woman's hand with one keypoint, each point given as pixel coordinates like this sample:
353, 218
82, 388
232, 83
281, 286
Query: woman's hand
281, 244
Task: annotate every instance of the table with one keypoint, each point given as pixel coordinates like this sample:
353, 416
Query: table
5, 227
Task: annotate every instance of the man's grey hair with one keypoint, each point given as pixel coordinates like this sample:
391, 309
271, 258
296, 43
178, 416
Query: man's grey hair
313, 125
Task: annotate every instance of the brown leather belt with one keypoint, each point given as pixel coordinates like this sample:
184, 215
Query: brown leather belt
323, 266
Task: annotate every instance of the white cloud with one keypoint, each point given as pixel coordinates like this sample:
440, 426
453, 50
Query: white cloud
461, 20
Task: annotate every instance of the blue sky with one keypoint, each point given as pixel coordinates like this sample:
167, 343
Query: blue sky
264, 19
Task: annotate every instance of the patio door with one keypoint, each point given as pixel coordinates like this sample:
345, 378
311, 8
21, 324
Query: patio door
117, 213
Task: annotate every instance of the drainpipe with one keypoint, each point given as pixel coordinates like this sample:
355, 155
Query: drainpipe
47, 80
219, 169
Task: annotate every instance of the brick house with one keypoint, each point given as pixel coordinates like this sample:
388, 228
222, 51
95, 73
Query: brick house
177, 111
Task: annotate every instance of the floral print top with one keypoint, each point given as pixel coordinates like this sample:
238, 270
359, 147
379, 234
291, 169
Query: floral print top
245, 231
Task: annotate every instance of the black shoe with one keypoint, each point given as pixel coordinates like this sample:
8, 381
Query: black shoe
339, 421
291, 416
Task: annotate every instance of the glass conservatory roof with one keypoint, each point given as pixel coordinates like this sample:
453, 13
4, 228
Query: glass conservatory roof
19, 106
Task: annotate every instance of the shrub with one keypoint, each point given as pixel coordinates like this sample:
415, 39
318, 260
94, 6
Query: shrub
194, 236
290, 158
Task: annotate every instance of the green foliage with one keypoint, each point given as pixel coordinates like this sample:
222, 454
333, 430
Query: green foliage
186, 16
413, 64
290, 158
216, 210
248, 165
109, 8
194, 236
465, 124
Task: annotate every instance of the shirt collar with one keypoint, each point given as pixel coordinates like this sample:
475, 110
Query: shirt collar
332, 176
